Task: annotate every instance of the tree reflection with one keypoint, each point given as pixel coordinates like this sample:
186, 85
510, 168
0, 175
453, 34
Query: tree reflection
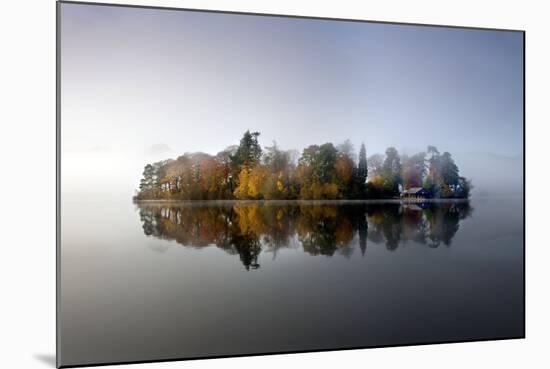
246, 229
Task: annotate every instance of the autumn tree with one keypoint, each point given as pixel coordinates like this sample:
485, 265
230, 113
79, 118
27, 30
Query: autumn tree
344, 168
279, 180
246, 157
345, 171
316, 172
241, 191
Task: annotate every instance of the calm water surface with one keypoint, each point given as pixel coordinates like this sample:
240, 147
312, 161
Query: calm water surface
159, 281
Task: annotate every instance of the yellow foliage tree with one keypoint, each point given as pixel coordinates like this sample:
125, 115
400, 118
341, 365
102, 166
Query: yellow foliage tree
330, 191
377, 180
241, 191
256, 182
343, 168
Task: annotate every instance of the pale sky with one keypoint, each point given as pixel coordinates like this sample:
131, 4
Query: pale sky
144, 84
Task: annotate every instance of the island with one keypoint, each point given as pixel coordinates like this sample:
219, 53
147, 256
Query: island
321, 172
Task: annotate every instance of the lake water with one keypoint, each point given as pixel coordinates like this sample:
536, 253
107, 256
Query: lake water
164, 281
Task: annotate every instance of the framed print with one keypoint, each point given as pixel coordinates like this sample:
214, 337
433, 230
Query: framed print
244, 184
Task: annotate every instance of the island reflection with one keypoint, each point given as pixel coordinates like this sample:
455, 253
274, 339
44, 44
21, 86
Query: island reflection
248, 228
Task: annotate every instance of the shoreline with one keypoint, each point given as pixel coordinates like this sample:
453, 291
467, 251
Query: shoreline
305, 202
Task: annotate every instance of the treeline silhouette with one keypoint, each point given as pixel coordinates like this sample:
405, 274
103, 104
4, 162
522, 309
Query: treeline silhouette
322, 171
246, 229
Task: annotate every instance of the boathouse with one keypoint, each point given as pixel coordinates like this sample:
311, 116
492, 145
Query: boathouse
415, 192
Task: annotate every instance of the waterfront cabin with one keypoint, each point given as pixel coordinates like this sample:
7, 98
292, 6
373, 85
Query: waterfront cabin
415, 193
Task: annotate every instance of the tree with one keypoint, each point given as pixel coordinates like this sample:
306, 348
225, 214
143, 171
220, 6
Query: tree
316, 172
362, 167
374, 164
246, 157
464, 188
147, 183
241, 192
448, 170
346, 148
391, 172
443, 174
249, 152
323, 165
257, 182
414, 170
360, 174
433, 179
278, 182
344, 170
223, 173
276, 159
